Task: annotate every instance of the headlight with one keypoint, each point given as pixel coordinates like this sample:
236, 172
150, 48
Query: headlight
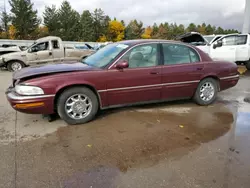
28, 90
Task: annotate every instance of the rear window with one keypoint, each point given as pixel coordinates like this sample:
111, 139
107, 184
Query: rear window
241, 39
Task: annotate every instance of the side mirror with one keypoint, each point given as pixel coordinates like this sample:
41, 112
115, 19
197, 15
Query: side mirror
122, 64
217, 44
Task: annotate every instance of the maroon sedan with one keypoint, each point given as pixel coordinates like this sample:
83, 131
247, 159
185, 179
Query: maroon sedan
120, 74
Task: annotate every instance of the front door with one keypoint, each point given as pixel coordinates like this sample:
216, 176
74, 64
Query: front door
227, 51
44, 53
141, 81
31, 56
181, 72
40, 53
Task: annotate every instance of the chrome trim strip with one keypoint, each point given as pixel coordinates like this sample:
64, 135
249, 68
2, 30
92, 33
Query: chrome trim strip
178, 83
145, 86
15, 97
229, 77
134, 87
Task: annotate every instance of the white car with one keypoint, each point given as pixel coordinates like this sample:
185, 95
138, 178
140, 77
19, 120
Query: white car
232, 47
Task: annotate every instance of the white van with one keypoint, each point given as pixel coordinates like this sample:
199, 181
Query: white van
232, 47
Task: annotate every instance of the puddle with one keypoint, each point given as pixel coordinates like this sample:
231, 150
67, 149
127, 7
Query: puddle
99, 177
132, 139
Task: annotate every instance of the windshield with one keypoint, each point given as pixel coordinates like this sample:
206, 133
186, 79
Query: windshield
105, 55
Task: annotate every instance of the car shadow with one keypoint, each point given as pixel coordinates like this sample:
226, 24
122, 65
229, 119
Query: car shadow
107, 112
103, 113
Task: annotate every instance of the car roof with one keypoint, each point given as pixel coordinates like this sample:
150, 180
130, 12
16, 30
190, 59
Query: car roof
142, 41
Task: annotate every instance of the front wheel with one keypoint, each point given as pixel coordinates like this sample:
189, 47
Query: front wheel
77, 105
206, 92
13, 66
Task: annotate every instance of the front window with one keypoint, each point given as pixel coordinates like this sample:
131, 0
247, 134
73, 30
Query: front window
142, 56
40, 47
104, 56
229, 41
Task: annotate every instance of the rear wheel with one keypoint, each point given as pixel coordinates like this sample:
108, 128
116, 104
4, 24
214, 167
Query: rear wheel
206, 92
77, 105
15, 66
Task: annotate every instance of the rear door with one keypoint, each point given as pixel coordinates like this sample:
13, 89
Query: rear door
242, 49
181, 71
227, 51
57, 51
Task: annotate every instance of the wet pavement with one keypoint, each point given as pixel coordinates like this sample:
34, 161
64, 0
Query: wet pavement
176, 144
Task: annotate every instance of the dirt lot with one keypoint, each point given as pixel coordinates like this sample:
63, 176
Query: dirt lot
177, 144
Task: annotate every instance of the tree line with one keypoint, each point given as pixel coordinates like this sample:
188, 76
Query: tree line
22, 22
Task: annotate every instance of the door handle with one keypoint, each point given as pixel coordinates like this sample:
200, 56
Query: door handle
199, 68
154, 72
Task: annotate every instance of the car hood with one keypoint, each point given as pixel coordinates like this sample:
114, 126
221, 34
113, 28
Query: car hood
52, 69
194, 38
14, 54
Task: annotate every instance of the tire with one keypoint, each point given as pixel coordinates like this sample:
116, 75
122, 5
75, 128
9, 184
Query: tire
248, 65
13, 66
209, 83
71, 96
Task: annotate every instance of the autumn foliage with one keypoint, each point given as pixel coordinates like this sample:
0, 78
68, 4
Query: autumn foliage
22, 22
147, 33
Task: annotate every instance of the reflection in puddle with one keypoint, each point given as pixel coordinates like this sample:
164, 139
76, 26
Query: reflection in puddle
243, 123
99, 177
132, 139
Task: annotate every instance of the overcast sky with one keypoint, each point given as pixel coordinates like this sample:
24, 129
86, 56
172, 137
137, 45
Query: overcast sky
225, 13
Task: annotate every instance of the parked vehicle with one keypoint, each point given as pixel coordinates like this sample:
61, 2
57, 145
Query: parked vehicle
211, 38
232, 47
7, 50
45, 50
121, 74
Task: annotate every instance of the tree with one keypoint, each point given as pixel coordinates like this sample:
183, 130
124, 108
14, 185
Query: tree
162, 32
155, 30
191, 27
115, 31
12, 32
134, 30
147, 33
219, 30
202, 29
123, 23
101, 22
5, 19
69, 22
87, 26
209, 30
51, 20
24, 18
42, 31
